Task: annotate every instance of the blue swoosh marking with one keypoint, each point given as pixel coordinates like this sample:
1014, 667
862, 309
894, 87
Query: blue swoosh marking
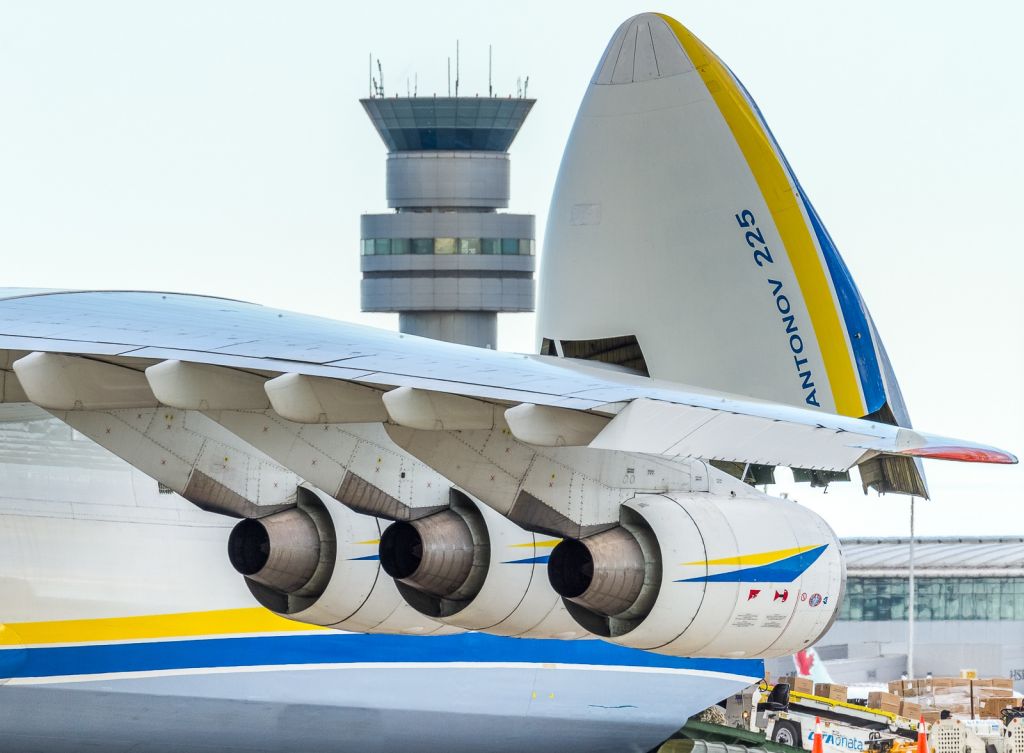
541, 560
851, 304
784, 571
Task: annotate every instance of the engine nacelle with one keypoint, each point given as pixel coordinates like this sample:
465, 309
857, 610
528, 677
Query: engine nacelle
317, 563
701, 575
471, 567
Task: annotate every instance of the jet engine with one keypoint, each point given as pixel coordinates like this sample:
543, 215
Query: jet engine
317, 563
692, 575
471, 567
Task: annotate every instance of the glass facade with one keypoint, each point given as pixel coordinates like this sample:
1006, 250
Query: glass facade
399, 246
426, 123
870, 599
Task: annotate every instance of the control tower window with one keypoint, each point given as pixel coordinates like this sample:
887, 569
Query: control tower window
470, 246
422, 245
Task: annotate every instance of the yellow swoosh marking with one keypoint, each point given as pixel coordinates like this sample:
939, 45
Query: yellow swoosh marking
761, 558
549, 544
372, 542
779, 195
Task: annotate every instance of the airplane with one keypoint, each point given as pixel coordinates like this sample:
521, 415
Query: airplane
228, 527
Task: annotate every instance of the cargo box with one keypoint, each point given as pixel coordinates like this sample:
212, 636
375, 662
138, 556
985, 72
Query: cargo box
885, 702
993, 692
910, 710
831, 690
996, 682
991, 708
799, 684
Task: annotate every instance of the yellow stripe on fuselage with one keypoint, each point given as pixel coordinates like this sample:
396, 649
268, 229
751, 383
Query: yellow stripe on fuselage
761, 558
782, 202
148, 627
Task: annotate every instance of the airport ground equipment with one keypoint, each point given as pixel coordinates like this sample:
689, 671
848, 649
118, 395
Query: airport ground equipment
787, 718
707, 737
699, 737
989, 736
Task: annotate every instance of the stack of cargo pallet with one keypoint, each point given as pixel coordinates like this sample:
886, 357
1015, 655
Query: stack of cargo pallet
978, 698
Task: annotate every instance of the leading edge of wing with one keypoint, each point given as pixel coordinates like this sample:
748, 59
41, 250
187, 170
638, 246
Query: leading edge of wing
649, 415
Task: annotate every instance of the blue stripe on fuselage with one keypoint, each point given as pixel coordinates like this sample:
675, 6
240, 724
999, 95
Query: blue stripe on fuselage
342, 648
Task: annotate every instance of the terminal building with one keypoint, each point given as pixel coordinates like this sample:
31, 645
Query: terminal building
445, 259
969, 610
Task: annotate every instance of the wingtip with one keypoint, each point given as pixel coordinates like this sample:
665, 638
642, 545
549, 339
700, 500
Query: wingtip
963, 454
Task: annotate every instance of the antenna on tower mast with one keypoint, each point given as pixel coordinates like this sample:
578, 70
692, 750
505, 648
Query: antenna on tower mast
490, 70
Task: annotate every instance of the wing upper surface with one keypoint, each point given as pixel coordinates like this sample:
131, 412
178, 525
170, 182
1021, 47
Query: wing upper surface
647, 415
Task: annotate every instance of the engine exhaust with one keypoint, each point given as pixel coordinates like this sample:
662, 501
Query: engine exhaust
280, 551
603, 572
432, 554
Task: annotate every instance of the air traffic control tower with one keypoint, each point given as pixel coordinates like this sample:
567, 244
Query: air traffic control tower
445, 259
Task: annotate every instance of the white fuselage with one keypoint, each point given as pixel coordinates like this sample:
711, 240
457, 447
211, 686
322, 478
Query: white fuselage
123, 625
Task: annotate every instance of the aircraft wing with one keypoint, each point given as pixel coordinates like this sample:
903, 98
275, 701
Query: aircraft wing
549, 401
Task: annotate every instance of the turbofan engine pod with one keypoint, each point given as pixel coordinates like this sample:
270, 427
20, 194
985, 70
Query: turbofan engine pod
700, 575
316, 563
471, 567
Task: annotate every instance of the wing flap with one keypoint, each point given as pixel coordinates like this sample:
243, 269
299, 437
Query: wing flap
679, 430
766, 434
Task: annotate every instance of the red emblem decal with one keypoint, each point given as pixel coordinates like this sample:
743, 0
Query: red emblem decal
753, 593
781, 595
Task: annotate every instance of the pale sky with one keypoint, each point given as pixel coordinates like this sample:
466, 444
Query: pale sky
219, 148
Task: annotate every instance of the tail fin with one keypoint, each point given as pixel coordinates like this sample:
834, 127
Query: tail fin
808, 664
679, 242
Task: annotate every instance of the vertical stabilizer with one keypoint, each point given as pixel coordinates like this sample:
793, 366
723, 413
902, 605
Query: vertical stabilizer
680, 239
